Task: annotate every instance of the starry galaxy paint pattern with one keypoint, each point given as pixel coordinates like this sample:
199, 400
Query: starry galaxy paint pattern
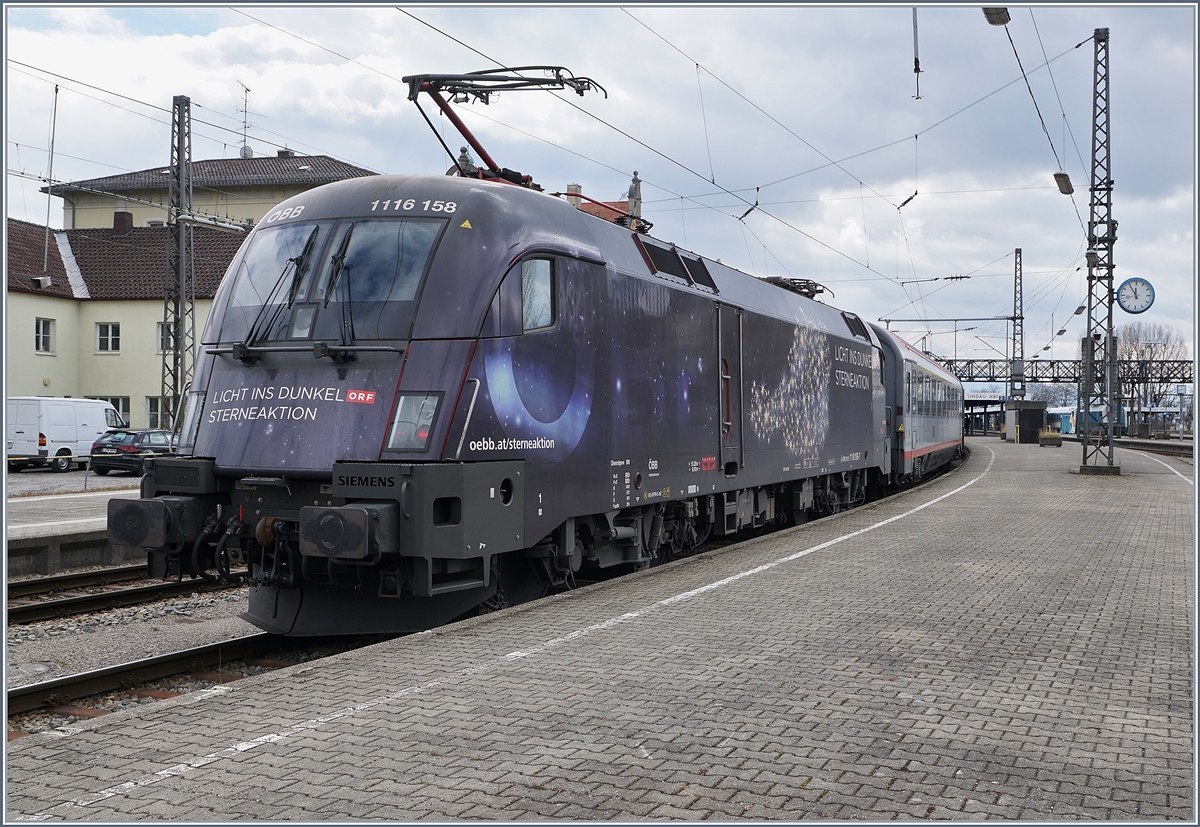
795, 408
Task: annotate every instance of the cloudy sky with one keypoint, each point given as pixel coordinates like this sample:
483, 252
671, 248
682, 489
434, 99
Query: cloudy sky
809, 112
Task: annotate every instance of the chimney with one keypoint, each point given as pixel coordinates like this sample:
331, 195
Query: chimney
574, 202
286, 153
122, 223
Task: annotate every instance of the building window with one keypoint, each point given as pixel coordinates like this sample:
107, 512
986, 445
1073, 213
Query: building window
166, 339
121, 403
108, 337
43, 335
156, 412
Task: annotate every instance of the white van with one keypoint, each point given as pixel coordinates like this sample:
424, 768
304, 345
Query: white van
48, 430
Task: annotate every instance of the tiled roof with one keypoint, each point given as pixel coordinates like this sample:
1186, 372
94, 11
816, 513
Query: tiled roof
305, 170
620, 208
134, 266
26, 251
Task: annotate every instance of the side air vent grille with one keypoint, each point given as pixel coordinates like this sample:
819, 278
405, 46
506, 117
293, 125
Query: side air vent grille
670, 261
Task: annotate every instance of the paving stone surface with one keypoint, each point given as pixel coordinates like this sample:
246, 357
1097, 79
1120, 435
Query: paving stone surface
1019, 648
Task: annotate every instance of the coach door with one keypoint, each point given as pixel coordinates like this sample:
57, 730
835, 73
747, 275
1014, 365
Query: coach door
730, 365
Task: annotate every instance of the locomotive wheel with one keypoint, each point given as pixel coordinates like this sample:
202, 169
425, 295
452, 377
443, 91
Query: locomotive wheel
520, 580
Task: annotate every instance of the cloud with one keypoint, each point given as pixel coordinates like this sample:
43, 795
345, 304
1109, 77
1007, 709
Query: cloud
779, 91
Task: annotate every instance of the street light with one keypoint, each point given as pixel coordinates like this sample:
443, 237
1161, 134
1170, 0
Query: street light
1180, 390
997, 16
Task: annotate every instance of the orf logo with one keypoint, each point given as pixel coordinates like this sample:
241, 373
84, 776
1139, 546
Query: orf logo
708, 463
365, 397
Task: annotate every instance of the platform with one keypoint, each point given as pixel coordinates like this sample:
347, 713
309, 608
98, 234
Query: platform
1012, 640
57, 533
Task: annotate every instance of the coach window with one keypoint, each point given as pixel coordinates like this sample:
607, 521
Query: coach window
537, 294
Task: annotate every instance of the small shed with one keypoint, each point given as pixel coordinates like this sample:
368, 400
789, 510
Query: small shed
1023, 420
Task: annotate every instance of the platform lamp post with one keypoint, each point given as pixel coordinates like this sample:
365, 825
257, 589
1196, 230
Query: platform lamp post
1180, 390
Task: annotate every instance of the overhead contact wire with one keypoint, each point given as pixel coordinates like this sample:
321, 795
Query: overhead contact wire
657, 152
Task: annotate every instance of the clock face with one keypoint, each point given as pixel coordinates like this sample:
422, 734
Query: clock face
1135, 295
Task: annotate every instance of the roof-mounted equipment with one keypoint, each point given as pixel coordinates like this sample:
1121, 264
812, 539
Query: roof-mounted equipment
804, 287
480, 86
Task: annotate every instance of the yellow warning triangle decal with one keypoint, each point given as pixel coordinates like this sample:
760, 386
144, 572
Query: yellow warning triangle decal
466, 224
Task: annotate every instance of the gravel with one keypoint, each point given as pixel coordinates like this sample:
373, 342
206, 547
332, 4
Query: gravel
51, 649
43, 651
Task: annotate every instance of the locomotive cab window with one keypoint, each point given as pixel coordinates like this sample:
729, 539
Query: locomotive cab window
526, 301
312, 279
537, 294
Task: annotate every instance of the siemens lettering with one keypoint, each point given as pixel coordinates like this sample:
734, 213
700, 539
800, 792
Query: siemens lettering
347, 481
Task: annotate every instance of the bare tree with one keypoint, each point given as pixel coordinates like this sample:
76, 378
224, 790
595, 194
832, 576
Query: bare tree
1149, 342
1055, 396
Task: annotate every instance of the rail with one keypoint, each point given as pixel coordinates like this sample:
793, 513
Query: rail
76, 580
22, 613
60, 690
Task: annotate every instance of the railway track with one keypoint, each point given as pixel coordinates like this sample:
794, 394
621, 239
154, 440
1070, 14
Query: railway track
75, 580
1163, 447
58, 692
22, 610
56, 696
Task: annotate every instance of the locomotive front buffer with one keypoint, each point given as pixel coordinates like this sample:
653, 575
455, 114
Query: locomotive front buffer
379, 530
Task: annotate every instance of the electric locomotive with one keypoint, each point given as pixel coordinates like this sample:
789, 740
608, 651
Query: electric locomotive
420, 397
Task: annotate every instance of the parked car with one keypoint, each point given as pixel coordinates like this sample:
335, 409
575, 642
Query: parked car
124, 450
59, 432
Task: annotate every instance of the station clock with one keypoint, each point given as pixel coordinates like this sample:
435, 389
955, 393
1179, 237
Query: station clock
1135, 295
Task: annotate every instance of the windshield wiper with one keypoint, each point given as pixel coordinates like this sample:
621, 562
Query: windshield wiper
339, 263
346, 332
302, 263
299, 265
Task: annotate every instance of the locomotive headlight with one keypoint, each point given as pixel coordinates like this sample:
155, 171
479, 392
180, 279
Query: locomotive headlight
413, 422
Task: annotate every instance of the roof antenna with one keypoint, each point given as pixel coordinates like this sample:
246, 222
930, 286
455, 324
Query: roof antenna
916, 56
246, 151
44, 281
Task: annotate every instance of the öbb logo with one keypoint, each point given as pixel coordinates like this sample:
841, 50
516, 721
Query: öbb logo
364, 397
